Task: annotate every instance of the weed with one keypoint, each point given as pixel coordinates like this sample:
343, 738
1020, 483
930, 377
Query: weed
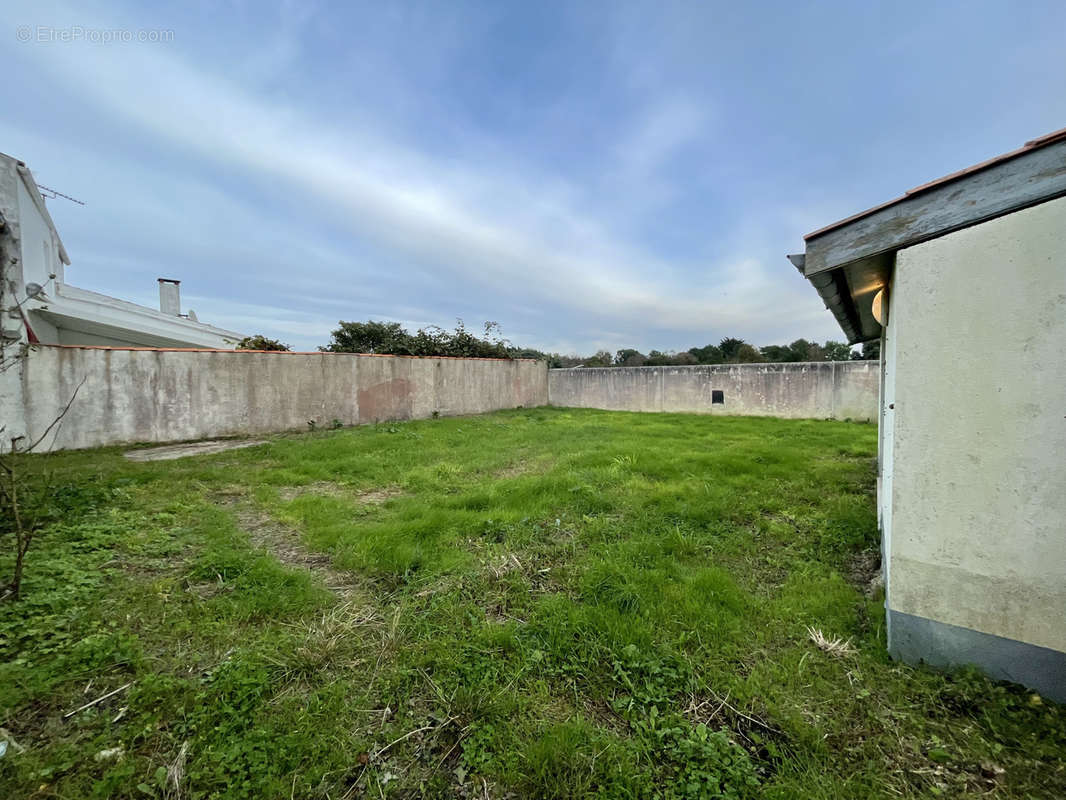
538, 602
839, 648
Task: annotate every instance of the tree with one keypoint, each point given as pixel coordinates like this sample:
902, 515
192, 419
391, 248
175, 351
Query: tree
708, 354
802, 350
746, 354
836, 351
261, 342
461, 343
601, 359
369, 337
729, 347
776, 353
22, 510
26, 507
393, 339
533, 353
628, 357
870, 350
559, 361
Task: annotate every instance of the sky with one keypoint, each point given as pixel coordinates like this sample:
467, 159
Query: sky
589, 175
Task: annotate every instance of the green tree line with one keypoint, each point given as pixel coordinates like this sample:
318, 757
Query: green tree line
737, 351
392, 338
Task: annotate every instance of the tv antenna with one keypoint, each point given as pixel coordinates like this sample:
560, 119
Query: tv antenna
53, 194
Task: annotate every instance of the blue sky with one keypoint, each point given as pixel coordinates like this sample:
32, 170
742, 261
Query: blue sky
591, 175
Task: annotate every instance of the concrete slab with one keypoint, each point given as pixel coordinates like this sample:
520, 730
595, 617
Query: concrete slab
191, 449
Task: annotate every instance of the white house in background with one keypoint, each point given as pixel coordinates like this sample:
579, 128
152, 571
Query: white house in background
964, 282
40, 306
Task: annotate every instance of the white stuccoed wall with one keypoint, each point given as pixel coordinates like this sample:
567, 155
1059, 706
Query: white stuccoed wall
978, 516
40, 250
175, 395
818, 390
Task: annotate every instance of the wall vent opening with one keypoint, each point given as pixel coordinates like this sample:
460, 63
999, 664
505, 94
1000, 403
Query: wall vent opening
717, 397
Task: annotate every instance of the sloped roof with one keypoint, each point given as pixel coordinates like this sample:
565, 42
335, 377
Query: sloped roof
850, 260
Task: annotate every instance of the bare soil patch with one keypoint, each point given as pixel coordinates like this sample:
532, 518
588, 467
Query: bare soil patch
375, 497
518, 468
512, 470
370, 497
864, 571
284, 543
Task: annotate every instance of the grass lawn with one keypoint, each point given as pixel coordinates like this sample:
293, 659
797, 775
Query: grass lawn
536, 603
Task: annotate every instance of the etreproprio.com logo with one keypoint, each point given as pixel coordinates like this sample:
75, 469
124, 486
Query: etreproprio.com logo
48, 34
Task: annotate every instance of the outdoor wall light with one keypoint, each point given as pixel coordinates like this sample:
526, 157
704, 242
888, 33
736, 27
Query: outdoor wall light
878, 309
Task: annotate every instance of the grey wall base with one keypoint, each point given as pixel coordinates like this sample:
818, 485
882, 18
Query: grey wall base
916, 639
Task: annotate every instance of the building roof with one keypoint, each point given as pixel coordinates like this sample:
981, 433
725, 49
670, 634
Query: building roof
94, 314
849, 261
38, 200
90, 312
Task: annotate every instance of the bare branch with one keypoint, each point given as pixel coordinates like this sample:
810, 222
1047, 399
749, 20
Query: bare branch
24, 528
58, 419
100, 699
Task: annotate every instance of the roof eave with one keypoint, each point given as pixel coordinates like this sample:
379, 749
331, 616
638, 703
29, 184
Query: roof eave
849, 261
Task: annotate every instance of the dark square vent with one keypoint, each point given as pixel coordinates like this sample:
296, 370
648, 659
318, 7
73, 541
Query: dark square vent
717, 397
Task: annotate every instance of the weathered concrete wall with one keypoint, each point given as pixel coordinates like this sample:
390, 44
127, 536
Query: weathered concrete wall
821, 390
977, 533
174, 395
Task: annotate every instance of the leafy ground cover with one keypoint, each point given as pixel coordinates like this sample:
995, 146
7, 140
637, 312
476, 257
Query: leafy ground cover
535, 603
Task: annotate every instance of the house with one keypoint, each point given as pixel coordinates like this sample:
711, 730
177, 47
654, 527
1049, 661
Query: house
40, 306
963, 280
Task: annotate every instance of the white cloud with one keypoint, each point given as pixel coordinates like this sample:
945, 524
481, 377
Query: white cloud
511, 234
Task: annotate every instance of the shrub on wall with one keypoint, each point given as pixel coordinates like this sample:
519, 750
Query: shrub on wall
260, 342
391, 338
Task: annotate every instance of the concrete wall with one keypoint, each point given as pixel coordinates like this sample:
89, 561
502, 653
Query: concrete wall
76, 338
821, 390
977, 542
40, 250
174, 395
30, 245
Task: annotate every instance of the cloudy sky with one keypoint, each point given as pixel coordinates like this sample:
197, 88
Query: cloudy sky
588, 174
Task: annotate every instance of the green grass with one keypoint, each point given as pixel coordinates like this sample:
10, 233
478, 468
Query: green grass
546, 603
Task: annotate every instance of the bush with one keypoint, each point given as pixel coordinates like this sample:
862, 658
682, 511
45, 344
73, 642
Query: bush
391, 338
260, 342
